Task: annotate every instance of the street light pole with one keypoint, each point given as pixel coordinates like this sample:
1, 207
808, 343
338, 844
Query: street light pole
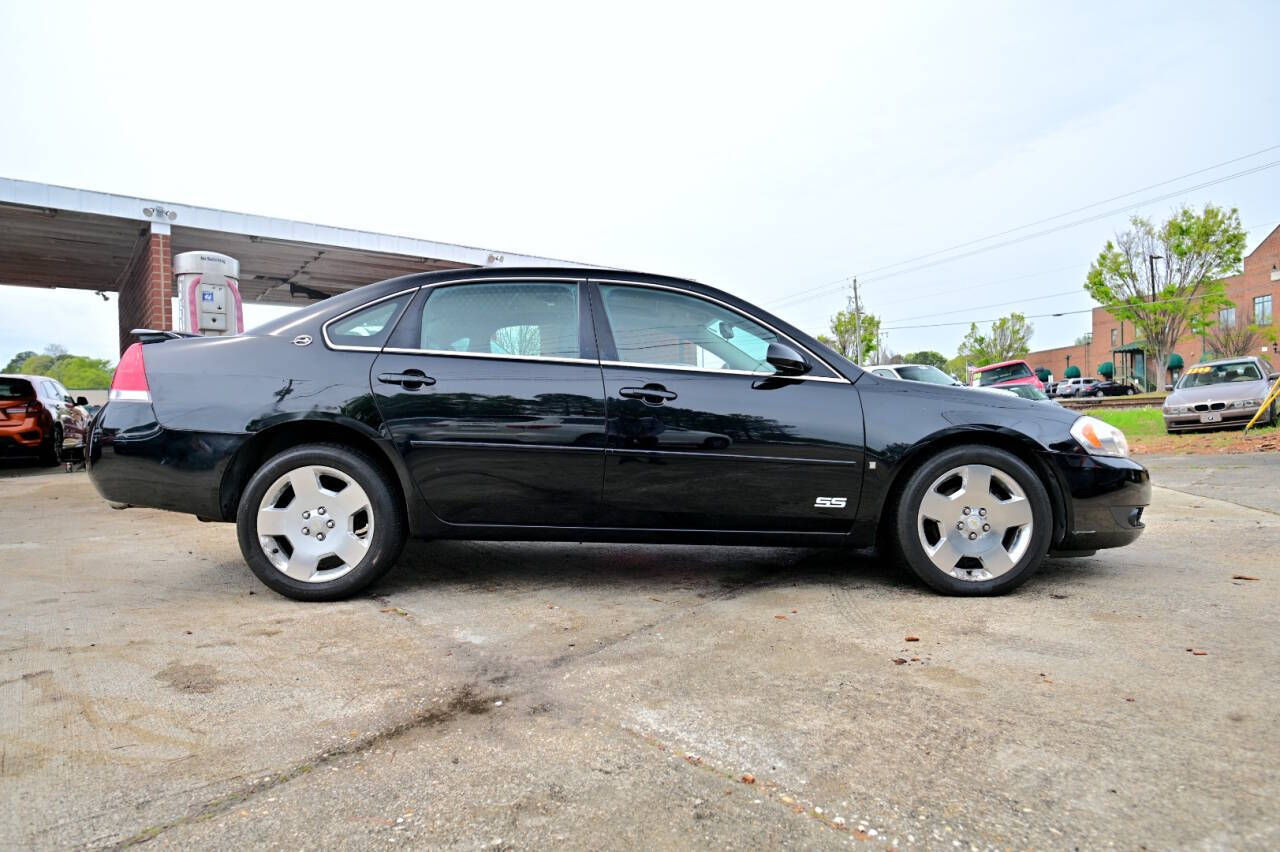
1151, 260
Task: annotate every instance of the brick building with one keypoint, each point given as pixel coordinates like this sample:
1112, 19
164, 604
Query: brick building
1255, 298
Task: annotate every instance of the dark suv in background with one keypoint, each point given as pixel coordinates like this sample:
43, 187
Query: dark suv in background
39, 418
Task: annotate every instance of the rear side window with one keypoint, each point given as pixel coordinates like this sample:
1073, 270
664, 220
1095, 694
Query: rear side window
16, 389
535, 319
368, 326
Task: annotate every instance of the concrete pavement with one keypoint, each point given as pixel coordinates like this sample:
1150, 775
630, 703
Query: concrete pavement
517, 695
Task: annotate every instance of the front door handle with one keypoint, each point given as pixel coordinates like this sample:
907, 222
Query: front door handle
650, 394
409, 379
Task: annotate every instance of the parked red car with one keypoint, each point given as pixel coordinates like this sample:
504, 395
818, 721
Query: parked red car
39, 418
1005, 373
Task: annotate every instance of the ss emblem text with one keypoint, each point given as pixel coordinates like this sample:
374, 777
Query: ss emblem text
829, 503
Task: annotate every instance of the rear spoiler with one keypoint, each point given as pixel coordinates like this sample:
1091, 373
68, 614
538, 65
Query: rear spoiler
159, 335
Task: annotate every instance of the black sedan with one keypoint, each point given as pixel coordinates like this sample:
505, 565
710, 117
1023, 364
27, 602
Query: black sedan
1109, 387
591, 405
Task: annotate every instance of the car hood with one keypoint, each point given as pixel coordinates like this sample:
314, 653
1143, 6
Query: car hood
1225, 392
963, 395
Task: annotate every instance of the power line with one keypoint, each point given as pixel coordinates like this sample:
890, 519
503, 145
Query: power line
1037, 298
822, 289
1033, 316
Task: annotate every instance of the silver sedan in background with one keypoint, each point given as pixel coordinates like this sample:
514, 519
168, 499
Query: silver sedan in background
1219, 394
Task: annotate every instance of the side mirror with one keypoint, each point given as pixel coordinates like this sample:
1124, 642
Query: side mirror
80, 400
1273, 377
787, 361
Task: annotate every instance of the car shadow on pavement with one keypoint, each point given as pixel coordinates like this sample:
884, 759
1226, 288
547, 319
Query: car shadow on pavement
710, 571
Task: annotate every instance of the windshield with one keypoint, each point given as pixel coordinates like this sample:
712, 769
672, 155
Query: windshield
995, 375
1204, 375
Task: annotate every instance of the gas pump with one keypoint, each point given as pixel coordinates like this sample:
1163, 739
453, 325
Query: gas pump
208, 293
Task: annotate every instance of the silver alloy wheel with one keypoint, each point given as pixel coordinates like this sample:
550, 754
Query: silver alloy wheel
975, 522
315, 523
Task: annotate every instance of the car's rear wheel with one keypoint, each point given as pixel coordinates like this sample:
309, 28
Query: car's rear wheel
51, 450
973, 520
320, 522
1129, 392
1099, 394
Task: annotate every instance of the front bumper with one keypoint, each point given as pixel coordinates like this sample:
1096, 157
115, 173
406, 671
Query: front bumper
1229, 418
1105, 500
132, 460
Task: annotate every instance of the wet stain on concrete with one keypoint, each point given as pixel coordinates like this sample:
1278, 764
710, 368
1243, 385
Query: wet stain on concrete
194, 677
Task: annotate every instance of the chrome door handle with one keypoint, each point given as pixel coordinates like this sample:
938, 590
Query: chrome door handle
409, 379
651, 394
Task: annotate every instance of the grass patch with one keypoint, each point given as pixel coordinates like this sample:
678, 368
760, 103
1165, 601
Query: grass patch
1144, 427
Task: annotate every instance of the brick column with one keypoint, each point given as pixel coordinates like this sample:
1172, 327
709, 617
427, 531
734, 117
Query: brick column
147, 285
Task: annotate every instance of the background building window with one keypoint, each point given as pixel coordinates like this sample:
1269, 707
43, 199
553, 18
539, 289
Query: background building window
1115, 337
1262, 310
1227, 317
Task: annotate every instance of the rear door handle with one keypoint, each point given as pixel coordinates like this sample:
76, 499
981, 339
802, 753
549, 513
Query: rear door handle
650, 394
409, 379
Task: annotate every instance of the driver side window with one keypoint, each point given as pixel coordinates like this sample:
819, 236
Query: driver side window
664, 328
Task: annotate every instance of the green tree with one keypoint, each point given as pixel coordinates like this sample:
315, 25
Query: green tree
37, 365
1009, 338
83, 373
1164, 299
926, 356
16, 362
843, 336
76, 372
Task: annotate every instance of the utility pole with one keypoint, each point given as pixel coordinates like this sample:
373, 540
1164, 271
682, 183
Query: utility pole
857, 324
1151, 260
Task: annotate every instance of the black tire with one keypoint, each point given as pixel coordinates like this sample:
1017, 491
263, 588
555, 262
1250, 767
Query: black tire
389, 528
51, 450
905, 519
1129, 392
1099, 394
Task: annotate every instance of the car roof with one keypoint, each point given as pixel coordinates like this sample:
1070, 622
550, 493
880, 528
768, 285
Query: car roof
999, 364
25, 376
1235, 360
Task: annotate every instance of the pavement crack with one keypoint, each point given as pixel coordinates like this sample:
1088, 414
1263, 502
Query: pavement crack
465, 701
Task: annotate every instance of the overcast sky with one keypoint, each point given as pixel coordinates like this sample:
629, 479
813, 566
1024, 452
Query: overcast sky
765, 152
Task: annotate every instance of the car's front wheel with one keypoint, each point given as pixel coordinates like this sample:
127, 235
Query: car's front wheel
320, 522
1099, 394
973, 520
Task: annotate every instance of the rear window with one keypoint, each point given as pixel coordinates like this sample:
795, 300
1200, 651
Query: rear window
15, 389
995, 375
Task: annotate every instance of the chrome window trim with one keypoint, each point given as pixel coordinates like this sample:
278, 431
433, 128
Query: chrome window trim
642, 365
324, 329
692, 294
449, 353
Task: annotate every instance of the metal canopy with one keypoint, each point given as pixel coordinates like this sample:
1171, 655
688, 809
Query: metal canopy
52, 236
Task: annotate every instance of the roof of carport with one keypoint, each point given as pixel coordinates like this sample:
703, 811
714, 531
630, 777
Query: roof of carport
53, 236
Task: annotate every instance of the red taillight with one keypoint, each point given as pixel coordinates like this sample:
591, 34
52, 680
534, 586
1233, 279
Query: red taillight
25, 409
129, 384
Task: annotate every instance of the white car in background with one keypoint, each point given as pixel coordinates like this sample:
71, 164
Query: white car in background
915, 373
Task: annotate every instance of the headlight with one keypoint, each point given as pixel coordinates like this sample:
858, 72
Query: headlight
1245, 403
1100, 439
1177, 409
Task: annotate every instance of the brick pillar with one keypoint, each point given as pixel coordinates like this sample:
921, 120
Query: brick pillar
147, 285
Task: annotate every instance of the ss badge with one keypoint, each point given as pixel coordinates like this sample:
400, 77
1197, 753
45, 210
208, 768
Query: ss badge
829, 503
